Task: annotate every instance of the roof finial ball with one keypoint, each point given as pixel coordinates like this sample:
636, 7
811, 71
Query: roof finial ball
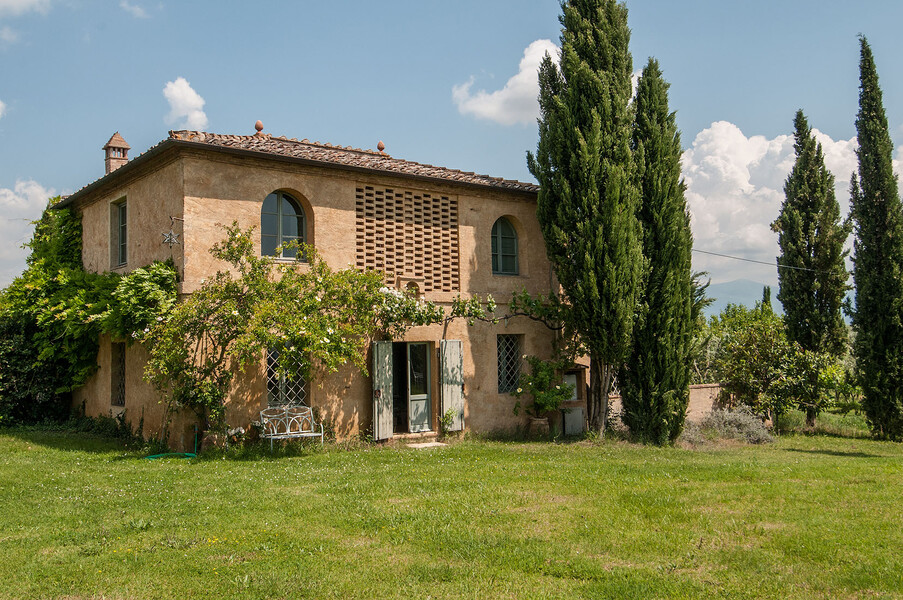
380, 146
258, 126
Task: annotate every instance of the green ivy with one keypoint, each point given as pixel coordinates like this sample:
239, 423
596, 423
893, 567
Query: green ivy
52, 315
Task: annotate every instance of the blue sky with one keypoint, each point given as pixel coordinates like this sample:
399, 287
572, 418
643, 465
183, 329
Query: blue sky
438, 82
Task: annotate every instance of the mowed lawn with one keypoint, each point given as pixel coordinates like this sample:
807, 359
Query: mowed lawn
806, 517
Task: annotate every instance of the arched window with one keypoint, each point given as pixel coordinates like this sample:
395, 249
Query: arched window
281, 221
504, 248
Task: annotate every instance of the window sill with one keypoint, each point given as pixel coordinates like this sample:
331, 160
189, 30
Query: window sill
288, 261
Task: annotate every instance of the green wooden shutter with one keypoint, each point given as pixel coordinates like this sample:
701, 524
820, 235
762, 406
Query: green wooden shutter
382, 390
452, 381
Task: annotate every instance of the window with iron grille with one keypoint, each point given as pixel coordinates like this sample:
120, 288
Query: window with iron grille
117, 374
509, 361
284, 389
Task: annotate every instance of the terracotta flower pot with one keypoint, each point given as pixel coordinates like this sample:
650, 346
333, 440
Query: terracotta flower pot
538, 426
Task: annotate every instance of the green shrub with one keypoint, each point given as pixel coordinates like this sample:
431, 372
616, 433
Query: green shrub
545, 384
719, 424
737, 424
692, 434
52, 315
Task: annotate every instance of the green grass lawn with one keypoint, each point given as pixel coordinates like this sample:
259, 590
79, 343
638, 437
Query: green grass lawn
806, 517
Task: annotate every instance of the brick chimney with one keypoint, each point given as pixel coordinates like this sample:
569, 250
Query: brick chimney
117, 153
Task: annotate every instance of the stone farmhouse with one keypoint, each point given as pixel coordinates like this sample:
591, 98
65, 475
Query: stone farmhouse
436, 231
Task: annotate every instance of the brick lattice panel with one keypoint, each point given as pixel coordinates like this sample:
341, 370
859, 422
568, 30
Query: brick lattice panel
408, 234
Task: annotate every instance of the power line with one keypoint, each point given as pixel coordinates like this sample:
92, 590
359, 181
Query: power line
759, 262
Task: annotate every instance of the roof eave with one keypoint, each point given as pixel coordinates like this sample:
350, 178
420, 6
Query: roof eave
351, 168
138, 162
124, 171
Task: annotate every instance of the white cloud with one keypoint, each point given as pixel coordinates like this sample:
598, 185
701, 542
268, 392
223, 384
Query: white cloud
185, 104
735, 186
517, 101
8, 35
17, 7
634, 81
133, 9
19, 207
2, 109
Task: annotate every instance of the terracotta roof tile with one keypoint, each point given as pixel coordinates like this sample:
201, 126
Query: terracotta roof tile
346, 156
116, 141
314, 151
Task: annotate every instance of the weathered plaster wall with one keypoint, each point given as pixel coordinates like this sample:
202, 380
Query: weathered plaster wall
143, 409
152, 199
210, 191
218, 192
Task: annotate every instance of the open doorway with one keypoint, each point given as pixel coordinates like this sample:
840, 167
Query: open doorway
411, 394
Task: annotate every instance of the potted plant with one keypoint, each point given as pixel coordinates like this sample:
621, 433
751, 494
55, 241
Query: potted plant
545, 386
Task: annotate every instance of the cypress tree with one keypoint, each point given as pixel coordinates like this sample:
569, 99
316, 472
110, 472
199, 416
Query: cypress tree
811, 271
588, 198
878, 261
655, 382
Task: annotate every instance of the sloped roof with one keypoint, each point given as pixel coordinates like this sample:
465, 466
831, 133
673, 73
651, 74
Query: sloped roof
292, 149
344, 156
116, 141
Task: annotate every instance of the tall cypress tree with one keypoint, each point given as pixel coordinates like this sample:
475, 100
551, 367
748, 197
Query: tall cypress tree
811, 271
878, 261
588, 197
655, 382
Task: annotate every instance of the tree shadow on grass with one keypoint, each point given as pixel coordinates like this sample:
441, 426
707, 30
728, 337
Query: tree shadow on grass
830, 433
835, 453
72, 441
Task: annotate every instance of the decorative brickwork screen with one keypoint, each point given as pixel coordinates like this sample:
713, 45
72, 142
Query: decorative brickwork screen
408, 234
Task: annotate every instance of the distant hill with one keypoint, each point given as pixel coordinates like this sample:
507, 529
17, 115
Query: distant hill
747, 293
739, 291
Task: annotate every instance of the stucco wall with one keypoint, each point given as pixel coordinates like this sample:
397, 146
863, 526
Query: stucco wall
218, 192
143, 409
152, 198
210, 191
